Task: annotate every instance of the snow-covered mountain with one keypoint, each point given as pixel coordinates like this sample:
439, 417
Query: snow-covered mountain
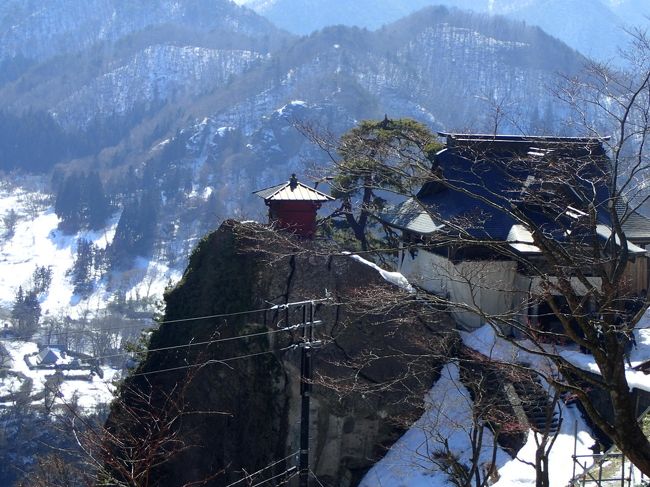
36, 241
36, 30
154, 75
593, 27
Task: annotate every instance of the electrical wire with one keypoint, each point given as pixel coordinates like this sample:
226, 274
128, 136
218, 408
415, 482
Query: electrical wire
250, 475
209, 342
292, 469
276, 307
156, 323
313, 474
211, 361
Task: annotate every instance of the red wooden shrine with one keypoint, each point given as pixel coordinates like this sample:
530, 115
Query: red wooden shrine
293, 206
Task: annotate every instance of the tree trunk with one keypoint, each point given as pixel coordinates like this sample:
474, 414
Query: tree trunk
541, 466
630, 438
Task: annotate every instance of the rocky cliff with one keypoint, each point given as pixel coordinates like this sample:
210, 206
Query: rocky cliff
241, 396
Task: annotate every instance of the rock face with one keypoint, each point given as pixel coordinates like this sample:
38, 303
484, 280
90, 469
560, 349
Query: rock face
241, 406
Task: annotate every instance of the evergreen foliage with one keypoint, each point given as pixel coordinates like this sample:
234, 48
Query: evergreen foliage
26, 313
32, 141
379, 158
68, 204
136, 230
97, 205
10, 220
42, 279
82, 203
82, 268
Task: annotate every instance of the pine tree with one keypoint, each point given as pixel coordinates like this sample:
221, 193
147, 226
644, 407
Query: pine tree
96, 204
42, 278
82, 203
82, 268
136, 230
26, 312
10, 220
68, 205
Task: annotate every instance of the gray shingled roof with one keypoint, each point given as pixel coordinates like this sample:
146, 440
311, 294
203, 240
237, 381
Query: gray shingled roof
636, 226
292, 190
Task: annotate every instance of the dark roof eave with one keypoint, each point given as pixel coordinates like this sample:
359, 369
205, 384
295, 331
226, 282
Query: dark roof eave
522, 138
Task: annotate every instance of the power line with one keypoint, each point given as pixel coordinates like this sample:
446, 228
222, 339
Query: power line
155, 323
287, 471
211, 361
316, 477
250, 475
276, 307
209, 342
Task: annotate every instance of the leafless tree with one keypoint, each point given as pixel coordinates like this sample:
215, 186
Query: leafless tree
55, 470
569, 201
141, 436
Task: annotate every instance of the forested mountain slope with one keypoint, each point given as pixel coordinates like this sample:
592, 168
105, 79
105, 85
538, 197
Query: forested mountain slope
182, 114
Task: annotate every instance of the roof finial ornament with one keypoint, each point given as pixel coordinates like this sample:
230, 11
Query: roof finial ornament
293, 181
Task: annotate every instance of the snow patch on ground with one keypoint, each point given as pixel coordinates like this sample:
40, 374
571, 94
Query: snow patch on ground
37, 241
88, 393
638, 355
516, 472
447, 416
280, 111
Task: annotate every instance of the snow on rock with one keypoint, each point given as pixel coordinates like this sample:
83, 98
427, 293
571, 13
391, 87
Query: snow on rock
447, 416
294, 103
395, 278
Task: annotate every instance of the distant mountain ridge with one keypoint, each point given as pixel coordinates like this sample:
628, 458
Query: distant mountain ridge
35, 30
593, 27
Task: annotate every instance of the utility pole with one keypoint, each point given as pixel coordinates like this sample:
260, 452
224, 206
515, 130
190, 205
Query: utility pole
305, 391
307, 346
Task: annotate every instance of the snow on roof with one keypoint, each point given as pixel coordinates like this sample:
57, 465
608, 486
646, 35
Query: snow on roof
410, 215
605, 232
521, 239
48, 356
395, 278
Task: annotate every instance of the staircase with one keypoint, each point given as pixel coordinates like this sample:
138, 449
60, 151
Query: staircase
536, 404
